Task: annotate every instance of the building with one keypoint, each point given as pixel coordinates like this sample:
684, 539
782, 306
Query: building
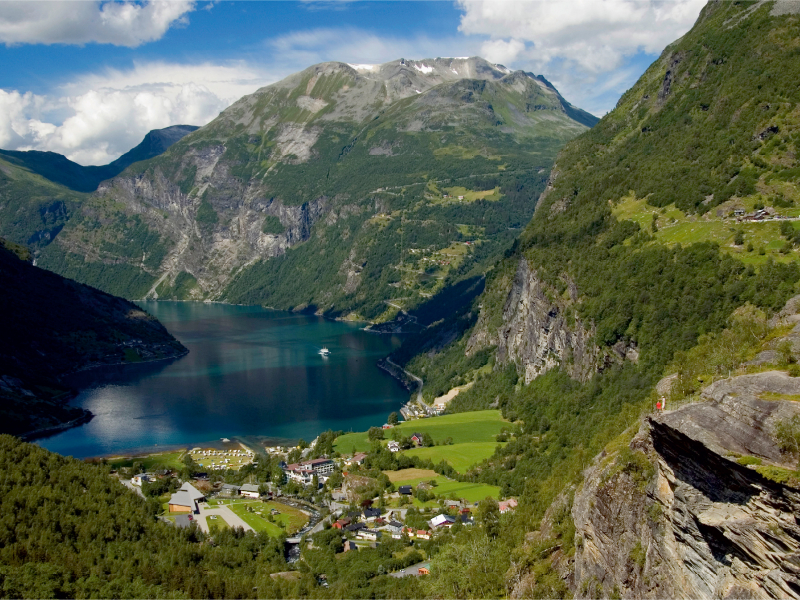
371, 513
358, 459
350, 545
304, 472
355, 527
185, 499
393, 446
507, 505
369, 534
228, 489
442, 521
425, 569
341, 524
142, 478
405, 490
423, 535
417, 438
387, 426
250, 490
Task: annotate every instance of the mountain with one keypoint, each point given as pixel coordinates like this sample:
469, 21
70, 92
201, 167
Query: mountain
358, 190
53, 326
40, 191
663, 243
59, 169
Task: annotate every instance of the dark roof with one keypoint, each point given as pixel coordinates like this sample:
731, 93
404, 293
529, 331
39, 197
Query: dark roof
230, 486
372, 512
355, 527
404, 489
354, 514
395, 524
417, 435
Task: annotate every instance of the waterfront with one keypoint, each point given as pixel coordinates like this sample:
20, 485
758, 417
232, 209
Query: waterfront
251, 373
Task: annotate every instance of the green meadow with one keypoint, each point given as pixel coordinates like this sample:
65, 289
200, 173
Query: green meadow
464, 428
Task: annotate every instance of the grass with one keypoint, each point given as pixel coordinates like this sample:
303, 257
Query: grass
472, 492
465, 428
217, 524
675, 227
292, 519
460, 456
772, 396
166, 460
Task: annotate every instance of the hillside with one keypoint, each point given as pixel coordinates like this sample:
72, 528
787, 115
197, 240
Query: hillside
635, 255
53, 326
41, 191
355, 189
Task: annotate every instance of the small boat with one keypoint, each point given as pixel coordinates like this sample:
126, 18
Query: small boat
325, 352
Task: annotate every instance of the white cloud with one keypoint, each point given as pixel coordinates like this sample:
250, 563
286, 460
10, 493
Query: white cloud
594, 34
119, 23
301, 49
95, 118
584, 47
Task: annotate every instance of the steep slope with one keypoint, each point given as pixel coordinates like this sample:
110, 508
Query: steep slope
53, 326
376, 176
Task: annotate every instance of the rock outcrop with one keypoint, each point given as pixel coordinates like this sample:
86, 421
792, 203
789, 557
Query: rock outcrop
541, 330
674, 515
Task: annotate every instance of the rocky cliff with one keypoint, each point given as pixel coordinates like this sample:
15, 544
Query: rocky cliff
701, 504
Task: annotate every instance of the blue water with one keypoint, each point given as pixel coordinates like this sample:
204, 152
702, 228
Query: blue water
250, 373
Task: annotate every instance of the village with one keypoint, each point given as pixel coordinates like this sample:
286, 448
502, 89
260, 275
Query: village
339, 492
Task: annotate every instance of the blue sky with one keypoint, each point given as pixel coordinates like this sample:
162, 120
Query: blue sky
89, 78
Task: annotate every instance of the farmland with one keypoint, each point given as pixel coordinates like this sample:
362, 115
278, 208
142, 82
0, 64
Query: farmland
464, 428
446, 488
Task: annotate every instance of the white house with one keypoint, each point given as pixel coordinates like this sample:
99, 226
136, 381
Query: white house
249, 490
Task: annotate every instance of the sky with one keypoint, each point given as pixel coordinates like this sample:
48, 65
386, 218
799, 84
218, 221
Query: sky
88, 79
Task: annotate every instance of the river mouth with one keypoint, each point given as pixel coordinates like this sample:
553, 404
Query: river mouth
251, 373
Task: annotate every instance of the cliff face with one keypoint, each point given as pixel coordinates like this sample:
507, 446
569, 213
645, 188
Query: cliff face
675, 515
540, 330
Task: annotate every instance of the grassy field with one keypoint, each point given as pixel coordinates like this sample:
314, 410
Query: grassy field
292, 519
472, 492
460, 456
217, 524
164, 460
465, 428
675, 227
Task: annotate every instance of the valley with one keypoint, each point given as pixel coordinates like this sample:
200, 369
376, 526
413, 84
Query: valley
607, 311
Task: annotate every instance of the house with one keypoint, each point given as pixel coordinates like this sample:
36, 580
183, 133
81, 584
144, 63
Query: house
425, 569
466, 519
355, 527
393, 446
358, 459
250, 490
369, 534
341, 524
228, 489
442, 521
142, 478
417, 438
507, 505
183, 521
371, 513
350, 545
185, 499
387, 426
453, 503
405, 490
422, 534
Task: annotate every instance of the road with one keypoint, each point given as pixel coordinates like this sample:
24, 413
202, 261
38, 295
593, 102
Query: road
130, 486
414, 377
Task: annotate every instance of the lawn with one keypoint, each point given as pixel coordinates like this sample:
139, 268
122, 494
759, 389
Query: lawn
163, 460
292, 518
464, 428
472, 492
460, 456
